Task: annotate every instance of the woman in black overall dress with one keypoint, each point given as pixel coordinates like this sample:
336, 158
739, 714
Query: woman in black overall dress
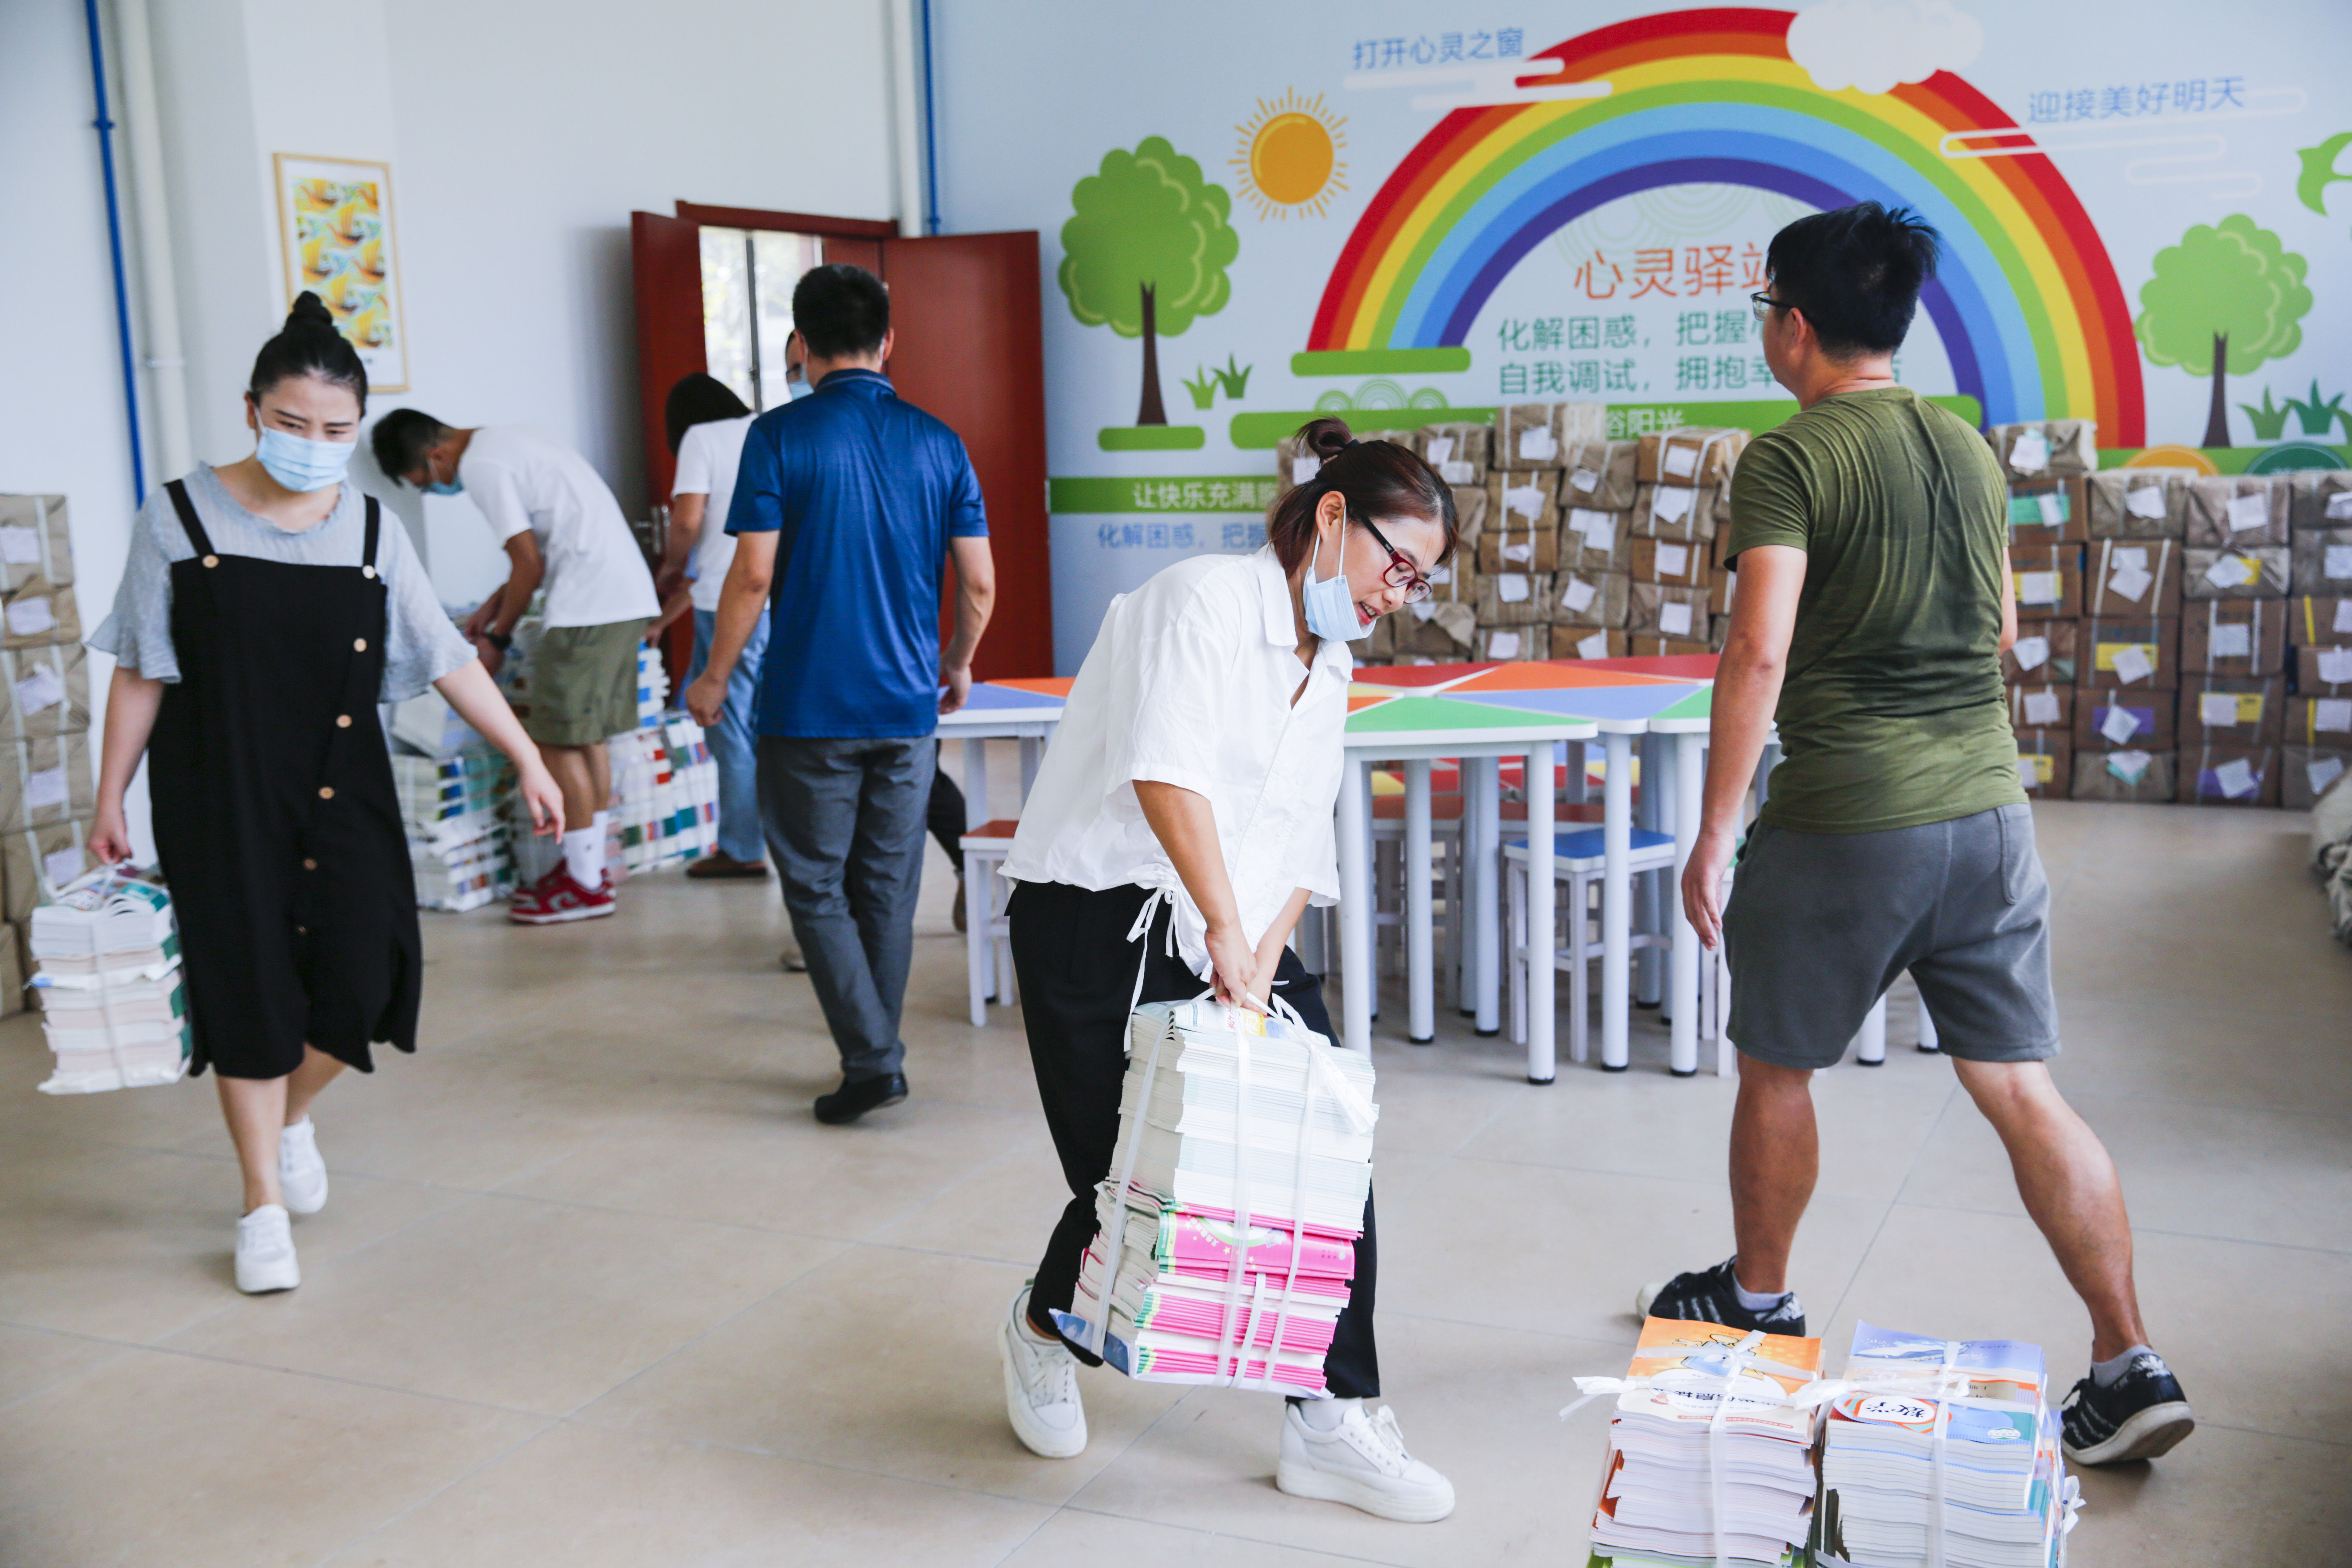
252, 653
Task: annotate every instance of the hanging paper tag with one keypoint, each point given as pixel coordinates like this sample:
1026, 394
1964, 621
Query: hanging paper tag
1536, 444
2233, 639
2236, 779
1682, 462
31, 618
22, 546
2339, 506
1502, 644
2031, 653
2229, 571
1675, 619
1441, 450
2029, 453
2041, 707
1578, 596
2131, 663
2335, 665
40, 689
1458, 473
1588, 481
44, 788
2119, 725
2323, 771
1303, 467
2037, 587
1599, 528
63, 866
2249, 512
1511, 587
1528, 500
2331, 713
1519, 554
2336, 560
1673, 559
1669, 502
1594, 646
2144, 500
2128, 765
2129, 583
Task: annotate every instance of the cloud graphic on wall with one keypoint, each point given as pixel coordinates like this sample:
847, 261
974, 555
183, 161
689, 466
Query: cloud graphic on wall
1871, 45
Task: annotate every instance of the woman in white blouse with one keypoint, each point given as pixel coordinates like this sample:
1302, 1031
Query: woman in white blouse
1179, 825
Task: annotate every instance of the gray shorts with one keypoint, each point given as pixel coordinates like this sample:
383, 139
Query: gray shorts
1820, 924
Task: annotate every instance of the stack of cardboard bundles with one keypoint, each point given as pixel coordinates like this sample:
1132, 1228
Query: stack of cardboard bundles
2235, 532
1520, 545
2045, 464
453, 787
106, 951
1682, 497
48, 779
2318, 724
1591, 589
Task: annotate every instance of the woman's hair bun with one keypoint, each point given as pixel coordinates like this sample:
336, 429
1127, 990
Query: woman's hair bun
1326, 438
310, 311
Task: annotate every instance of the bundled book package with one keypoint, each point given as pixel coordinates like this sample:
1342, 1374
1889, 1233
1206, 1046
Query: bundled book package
107, 955
453, 788
1228, 1223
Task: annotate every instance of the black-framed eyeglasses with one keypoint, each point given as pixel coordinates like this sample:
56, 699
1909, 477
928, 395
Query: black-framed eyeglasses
1402, 572
1761, 301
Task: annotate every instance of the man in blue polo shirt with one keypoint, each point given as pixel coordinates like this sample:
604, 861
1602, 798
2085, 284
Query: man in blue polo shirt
849, 505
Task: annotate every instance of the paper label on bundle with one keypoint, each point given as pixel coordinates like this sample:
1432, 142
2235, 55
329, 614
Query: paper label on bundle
1458, 473
1594, 646
2335, 665
2052, 507
1441, 450
1673, 559
1674, 620
2230, 572
2119, 725
2037, 587
2128, 765
2321, 772
40, 689
1578, 595
2041, 707
2031, 653
1303, 467
2236, 779
2331, 713
1423, 610
1680, 461
22, 546
1669, 502
1519, 554
2134, 556
44, 788
62, 866
2342, 618
1439, 576
1537, 446
2129, 583
2029, 453
31, 618
2144, 500
2029, 771
1511, 587
2336, 560
2223, 709
1503, 645
1528, 500
1588, 481
2249, 512
2233, 640
2339, 507
2130, 662
1599, 528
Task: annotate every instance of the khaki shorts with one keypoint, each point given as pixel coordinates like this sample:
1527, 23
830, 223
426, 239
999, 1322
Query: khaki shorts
583, 683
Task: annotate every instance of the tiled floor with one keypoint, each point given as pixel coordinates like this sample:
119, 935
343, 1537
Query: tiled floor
594, 1288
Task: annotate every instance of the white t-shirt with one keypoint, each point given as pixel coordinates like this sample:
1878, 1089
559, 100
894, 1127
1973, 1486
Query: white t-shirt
595, 573
707, 460
1189, 683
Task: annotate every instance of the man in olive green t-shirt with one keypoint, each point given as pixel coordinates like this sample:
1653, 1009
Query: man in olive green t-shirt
1870, 533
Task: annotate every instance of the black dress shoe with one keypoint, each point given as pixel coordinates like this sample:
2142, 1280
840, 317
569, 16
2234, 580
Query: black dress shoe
856, 1097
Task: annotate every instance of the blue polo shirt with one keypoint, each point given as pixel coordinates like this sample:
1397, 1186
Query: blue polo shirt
865, 491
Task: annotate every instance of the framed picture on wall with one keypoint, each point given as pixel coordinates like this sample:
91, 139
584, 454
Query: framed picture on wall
334, 226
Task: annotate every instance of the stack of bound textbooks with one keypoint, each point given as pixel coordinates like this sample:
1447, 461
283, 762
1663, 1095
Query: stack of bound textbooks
1710, 1452
107, 953
1229, 1222
1932, 1441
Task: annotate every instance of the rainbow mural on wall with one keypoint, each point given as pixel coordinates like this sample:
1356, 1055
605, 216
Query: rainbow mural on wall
2028, 305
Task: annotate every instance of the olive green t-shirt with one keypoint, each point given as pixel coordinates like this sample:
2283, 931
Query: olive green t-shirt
1891, 714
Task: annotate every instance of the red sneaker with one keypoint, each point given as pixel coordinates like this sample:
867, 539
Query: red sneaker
556, 899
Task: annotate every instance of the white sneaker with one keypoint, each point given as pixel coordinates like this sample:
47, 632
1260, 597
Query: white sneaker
265, 1252
1041, 1386
301, 1173
1360, 1462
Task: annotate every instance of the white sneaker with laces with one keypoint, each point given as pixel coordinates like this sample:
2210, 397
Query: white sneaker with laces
1041, 1386
1359, 1462
265, 1252
301, 1173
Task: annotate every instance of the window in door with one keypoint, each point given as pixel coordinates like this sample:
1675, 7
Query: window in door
748, 276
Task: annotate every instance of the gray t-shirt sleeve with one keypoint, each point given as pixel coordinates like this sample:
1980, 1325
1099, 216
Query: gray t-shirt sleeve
423, 644
138, 632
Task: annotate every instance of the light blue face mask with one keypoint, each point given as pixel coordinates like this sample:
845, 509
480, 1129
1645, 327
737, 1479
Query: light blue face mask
304, 464
444, 488
796, 387
1330, 607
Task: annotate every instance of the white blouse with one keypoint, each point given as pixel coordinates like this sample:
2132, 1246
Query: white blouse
1189, 683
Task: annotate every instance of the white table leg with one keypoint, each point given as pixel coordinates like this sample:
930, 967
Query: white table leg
975, 781
1543, 891
1030, 745
1929, 1041
1689, 777
1655, 807
1616, 899
1419, 936
1357, 979
1870, 1045
1486, 921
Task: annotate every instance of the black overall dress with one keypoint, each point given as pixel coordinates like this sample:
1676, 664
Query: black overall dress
276, 819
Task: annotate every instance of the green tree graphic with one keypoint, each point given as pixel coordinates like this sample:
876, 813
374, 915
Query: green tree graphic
1146, 250
2226, 299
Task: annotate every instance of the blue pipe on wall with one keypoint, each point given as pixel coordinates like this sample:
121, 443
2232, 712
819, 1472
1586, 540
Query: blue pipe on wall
930, 135
104, 125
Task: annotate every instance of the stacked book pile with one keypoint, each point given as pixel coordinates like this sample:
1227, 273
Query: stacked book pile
434, 790
453, 809
666, 795
1236, 1198
1943, 1443
107, 953
653, 687
1712, 1433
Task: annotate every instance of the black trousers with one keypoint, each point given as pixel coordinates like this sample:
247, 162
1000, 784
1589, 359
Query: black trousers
1076, 971
944, 815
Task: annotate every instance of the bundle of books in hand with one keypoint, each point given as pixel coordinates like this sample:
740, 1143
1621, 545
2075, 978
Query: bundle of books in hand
107, 956
1229, 1222
1934, 1441
1708, 1418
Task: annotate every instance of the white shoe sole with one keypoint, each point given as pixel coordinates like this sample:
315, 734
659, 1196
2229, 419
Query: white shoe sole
2144, 1435
263, 1281
1038, 1440
1301, 1479
562, 917
305, 1205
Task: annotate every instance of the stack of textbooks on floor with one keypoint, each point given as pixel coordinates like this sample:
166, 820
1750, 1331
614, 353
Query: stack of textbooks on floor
1709, 1416
1229, 1222
666, 790
1938, 1441
107, 953
453, 810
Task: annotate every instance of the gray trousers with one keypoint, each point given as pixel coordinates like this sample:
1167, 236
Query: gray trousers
844, 825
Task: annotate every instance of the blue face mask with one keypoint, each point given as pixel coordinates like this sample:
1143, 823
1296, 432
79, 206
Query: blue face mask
1330, 607
304, 464
444, 488
796, 387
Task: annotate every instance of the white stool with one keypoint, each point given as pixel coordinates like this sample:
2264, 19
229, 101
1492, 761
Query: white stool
988, 934
1577, 856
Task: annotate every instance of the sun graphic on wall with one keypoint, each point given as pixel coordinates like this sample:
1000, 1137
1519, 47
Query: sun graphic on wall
1287, 161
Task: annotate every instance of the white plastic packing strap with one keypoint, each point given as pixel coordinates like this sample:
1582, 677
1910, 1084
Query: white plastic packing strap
1945, 1387
1115, 1245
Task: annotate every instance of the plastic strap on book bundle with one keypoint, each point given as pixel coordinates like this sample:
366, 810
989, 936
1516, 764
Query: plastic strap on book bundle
1742, 1358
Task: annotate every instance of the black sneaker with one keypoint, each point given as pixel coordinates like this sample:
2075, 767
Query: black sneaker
856, 1097
1709, 1296
2139, 1415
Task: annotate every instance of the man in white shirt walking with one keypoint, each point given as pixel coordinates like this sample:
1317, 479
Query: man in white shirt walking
562, 529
